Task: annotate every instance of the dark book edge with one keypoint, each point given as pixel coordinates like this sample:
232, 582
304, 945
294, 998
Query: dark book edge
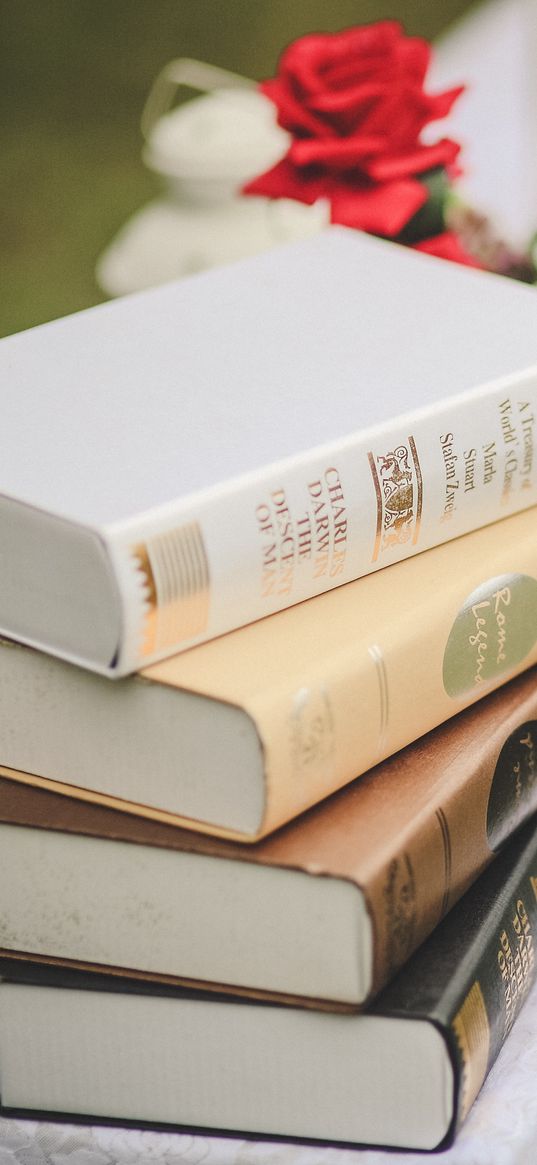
472, 976
203, 1131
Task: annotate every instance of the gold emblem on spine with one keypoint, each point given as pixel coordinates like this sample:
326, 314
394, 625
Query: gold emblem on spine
472, 1032
399, 492
176, 576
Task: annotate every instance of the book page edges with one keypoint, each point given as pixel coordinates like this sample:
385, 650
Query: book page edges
309, 1003
147, 811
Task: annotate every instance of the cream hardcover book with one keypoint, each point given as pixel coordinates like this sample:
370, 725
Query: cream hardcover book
239, 735
193, 458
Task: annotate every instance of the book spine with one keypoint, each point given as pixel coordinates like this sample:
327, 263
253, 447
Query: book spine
390, 658
504, 971
267, 541
481, 792
472, 975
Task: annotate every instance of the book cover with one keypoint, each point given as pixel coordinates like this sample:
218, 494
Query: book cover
325, 911
319, 693
193, 458
477, 968
403, 1074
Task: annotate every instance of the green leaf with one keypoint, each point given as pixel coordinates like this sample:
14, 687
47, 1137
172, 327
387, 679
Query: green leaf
429, 220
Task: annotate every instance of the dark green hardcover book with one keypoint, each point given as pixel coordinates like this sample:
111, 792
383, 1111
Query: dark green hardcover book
403, 1074
473, 974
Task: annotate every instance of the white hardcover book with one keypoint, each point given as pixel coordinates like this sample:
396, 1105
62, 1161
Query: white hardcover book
196, 457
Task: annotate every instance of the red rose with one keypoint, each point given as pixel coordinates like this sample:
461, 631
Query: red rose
355, 104
448, 245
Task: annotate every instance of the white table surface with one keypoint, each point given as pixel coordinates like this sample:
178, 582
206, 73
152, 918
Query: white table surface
500, 1130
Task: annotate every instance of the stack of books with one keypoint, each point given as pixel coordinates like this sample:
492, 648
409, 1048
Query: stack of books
266, 852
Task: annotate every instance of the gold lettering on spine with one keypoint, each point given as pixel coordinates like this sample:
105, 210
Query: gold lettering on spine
176, 575
472, 1032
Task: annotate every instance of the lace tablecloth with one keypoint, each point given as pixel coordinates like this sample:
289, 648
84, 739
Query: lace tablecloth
500, 1130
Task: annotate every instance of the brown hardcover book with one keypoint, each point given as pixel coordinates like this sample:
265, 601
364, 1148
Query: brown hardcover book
327, 909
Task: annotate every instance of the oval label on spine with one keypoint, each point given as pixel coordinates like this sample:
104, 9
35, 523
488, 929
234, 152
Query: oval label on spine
513, 792
492, 634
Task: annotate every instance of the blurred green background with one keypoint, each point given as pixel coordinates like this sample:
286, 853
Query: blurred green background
74, 75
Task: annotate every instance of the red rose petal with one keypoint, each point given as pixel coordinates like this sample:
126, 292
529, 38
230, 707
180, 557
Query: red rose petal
398, 116
371, 39
351, 114
311, 57
380, 210
345, 74
416, 162
414, 58
293, 115
448, 246
336, 153
351, 101
440, 103
287, 181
